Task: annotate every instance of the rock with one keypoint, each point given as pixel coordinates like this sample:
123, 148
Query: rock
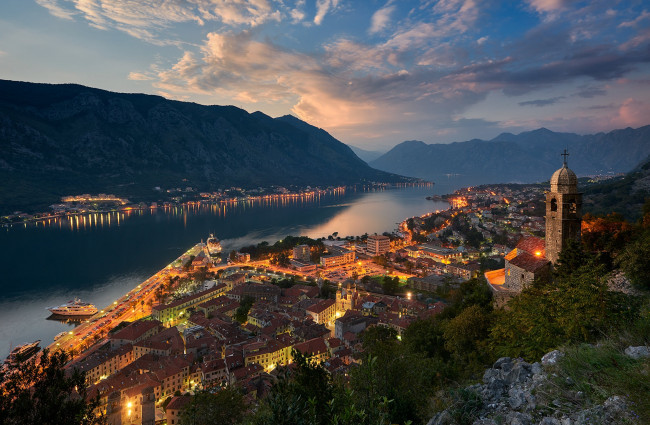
517, 397
615, 405
552, 358
490, 374
519, 373
517, 418
442, 418
550, 421
637, 353
493, 390
536, 368
501, 361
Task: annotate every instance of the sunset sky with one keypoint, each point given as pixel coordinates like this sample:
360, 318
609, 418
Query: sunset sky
372, 73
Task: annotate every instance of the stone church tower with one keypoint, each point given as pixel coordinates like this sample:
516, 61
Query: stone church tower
563, 211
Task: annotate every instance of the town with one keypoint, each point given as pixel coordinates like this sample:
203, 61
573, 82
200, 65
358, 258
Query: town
200, 323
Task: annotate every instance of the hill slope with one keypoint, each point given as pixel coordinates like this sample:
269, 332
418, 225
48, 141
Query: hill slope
67, 139
527, 157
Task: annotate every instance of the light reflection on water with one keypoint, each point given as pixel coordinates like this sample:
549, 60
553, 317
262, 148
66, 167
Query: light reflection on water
105, 255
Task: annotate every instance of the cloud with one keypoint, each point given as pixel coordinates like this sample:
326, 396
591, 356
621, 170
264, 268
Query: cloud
482, 40
633, 23
150, 20
542, 102
138, 76
634, 112
56, 10
587, 91
549, 5
322, 8
380, 19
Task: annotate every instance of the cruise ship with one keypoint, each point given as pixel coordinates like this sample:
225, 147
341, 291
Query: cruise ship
23, 352
214, 246
74, 308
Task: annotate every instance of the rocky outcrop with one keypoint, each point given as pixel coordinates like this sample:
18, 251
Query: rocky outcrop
515, 392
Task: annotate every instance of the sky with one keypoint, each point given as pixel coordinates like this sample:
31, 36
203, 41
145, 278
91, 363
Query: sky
371, 73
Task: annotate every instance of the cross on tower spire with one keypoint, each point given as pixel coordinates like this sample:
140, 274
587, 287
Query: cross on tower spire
565, 154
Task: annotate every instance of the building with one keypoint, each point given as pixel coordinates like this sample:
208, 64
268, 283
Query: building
172, 311
323, 311
346, 298
563, 211
337, 257
377, 245
533, 257
302, 253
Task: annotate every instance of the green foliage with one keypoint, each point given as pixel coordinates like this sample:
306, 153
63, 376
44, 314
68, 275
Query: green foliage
226, 406
464, 406
426, 336
604, 371
635, 260
389, 370
574, 308
380, 260
301, 396
241, 314
43, 393
471, 292
263, 250
390, 285
466, 336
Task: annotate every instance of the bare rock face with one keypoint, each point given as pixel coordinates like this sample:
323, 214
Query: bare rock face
637, 353
515, 392
550, 359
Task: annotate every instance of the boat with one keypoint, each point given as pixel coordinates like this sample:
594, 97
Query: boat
214, 246
60, 335
74, 308
23, 352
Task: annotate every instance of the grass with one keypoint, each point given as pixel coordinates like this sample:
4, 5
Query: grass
589, 375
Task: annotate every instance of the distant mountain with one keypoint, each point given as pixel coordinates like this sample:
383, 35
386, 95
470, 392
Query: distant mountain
526, 157
366, 155
70, 139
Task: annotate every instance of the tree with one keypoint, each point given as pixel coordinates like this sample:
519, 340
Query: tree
635, 260
226, 406
390, 285
389, 371
466, 336
572, 309
241, 314
44, 393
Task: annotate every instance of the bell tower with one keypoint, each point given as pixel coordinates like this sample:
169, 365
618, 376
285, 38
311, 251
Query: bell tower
563, 211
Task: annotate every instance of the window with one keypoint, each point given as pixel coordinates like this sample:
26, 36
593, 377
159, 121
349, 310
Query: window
573, 207
553, 204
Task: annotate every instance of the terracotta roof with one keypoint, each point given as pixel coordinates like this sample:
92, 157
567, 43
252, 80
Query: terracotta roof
313, 346
321, 306
529, 262
135, 330
532, 245
178, 402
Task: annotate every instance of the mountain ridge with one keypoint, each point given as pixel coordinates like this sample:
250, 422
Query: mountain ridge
61, 139
523, 158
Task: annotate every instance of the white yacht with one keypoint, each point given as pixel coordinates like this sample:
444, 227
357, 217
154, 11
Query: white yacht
214, 246
74, 308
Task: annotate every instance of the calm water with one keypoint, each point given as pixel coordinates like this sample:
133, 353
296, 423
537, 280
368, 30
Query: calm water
101, 257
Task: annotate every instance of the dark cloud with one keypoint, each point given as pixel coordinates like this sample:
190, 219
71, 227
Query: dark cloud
542, 102
588, 92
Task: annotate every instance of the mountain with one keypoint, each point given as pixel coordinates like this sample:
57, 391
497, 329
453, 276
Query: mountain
624, 195
527, 157
69, 139
366, 155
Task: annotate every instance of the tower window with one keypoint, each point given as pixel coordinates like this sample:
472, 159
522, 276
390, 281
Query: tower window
573, 207
553, 204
